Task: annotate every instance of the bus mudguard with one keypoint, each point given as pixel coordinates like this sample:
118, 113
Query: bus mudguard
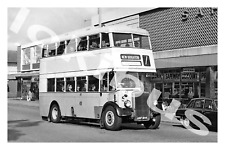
120, 111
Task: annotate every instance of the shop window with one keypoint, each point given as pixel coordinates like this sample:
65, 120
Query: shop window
51, 85
71, 46
51, 49
81, 83
60, 47
60, 85
70, 84
105, 40
26, 56
37, 54
82, 46
202, 89
94, 42
167, 90
93, 83
175, 90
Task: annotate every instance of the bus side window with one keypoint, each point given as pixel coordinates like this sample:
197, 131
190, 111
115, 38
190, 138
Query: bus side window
51, 85
93, 83
70, 84
105, 40
112, 83
60, 85
82, 46
81, 84
103, 83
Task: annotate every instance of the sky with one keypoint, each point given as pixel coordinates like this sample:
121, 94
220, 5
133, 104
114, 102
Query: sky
21, 21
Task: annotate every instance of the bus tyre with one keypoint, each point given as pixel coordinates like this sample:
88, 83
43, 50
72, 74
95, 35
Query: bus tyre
111, 120
55, 114
153, 123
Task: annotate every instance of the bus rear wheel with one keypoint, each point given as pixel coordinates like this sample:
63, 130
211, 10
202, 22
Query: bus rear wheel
153, 123
55, 114
111, 120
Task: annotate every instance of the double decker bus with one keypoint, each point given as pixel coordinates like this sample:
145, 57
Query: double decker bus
98, 74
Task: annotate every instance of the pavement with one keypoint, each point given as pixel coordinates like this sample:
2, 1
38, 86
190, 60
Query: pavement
18, 101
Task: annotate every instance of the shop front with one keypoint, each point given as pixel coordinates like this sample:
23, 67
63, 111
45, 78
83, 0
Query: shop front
183, 84
28, 82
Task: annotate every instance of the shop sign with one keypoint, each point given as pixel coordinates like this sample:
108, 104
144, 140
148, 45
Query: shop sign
185, 15
190, 76
188, 70
155, 76
172, 76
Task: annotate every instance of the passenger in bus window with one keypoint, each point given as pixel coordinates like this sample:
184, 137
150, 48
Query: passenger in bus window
78, 88
69, 88
136, 44
94, 45
93, 87
105, 44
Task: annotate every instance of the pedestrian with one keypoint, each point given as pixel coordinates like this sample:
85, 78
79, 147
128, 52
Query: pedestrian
29, 96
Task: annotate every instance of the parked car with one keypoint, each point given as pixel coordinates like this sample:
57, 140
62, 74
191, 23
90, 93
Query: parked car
205, 106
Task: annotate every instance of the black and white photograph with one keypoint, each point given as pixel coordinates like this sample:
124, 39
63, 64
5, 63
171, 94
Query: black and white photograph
112, 74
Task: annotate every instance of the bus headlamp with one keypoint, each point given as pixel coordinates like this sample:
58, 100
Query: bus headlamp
127, 103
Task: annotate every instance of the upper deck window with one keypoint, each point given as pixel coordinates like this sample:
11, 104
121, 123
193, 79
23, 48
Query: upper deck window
71, 45
60, 47
105, 40
51, 49
122, 40
125, 40
141, 41
82, 46
94, 41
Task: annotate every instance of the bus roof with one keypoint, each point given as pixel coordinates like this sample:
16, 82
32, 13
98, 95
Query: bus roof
88, 31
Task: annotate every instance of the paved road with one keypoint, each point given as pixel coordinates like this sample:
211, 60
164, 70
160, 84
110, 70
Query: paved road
25, 125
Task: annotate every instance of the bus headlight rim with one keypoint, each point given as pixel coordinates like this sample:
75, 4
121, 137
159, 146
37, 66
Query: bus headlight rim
127, 104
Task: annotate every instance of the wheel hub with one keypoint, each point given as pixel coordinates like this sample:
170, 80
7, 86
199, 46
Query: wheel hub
110, 118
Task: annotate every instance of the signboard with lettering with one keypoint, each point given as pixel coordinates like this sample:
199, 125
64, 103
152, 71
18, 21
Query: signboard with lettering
130, 57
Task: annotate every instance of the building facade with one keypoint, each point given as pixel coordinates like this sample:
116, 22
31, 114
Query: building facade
184, 43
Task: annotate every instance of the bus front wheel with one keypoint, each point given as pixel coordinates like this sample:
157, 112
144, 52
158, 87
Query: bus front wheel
111, 120
55, 114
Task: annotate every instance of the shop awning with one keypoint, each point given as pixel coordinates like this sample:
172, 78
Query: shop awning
26, 74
